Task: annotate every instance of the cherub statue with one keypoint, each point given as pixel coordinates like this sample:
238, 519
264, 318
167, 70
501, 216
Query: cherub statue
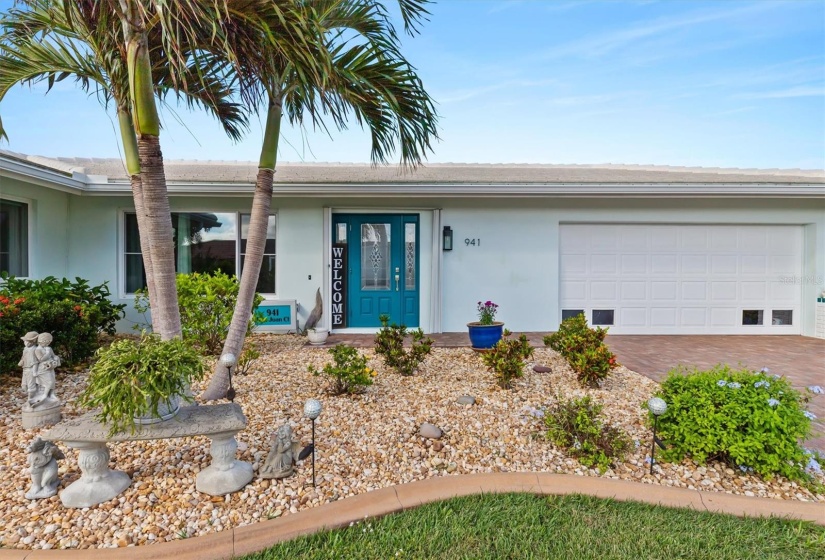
44, 376
43, 456
280, 462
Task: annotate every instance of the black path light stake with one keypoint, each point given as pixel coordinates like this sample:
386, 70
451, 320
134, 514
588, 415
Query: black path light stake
657, 407
229, 360
312, 410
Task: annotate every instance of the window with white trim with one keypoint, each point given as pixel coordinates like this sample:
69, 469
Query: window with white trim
204, 242
14, 238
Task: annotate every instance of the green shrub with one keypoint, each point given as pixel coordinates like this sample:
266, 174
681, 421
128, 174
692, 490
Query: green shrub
584, 350
750, 420
349, 372
575, 426
389, 343
132, 377
206, 303
73, 312
506, 358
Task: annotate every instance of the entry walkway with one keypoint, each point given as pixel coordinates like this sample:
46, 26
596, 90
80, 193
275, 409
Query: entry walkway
801, 359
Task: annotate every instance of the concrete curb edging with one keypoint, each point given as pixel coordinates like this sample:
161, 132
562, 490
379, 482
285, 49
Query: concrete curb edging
259, 536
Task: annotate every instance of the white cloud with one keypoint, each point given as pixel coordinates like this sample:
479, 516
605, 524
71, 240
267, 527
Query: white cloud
798, 91
469, 93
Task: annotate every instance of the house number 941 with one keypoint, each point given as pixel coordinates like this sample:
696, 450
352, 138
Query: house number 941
476, 241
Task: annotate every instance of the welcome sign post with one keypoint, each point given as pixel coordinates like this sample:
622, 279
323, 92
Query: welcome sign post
339, 285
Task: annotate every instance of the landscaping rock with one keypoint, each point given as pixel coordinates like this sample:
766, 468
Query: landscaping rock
430, 431
538, 368
466, 399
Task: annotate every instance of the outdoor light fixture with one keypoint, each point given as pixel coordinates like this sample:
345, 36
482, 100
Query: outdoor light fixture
447, 238
229, 360
657, 407
312, 410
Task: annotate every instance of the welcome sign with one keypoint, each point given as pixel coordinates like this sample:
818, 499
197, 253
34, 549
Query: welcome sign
339, 285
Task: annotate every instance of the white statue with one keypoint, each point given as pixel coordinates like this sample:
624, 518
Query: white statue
44, 371
43, 456
29, 362
280, 463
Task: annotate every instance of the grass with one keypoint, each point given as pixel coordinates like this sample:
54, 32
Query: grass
565, 527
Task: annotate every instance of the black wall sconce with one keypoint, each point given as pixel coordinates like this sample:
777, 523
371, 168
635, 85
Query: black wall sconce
447, 239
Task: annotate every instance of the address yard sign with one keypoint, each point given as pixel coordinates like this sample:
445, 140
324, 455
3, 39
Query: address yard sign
277, 315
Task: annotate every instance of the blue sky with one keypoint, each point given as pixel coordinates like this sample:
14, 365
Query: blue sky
712, 83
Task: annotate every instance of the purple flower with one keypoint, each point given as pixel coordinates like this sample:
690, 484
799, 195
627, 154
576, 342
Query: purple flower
776, 376
809, 415
721, 383
764, 370
813, 466
816, 389
773, 402
734, 385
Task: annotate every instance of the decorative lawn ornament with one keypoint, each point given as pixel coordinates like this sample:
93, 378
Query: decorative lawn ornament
657, 407
229, 360
312, 410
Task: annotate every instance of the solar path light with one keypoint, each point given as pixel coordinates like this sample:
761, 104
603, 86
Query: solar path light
229, 360
657, 407
312, 410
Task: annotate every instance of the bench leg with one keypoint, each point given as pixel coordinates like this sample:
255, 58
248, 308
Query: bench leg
225, 474
97, 483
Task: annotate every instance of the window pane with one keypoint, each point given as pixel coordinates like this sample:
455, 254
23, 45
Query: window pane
205, 242
782, 317
340, 233
409, 256
752, 317
375, 256
14, 238
135, 275
602, 317
132, 234
266, 279
568, 313
269, 248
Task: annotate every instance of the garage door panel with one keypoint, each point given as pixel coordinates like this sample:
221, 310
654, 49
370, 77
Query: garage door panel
684, 278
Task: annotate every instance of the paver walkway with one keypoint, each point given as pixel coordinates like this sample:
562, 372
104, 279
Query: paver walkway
800, 358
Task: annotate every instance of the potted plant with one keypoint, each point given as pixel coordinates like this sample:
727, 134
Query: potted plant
486, 332
141, 381
317, 336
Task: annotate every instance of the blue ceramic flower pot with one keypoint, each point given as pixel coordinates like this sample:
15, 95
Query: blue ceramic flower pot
485, 336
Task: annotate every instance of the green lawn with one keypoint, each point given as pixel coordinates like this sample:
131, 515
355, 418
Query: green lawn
572, 527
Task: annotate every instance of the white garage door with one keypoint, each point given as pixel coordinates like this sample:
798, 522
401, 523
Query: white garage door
683, 279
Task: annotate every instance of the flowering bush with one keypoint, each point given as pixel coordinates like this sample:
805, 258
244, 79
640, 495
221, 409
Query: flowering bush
487, 312
507, 357
751, 420
349, 373
73, 312
575, 426
584, 350
389, 343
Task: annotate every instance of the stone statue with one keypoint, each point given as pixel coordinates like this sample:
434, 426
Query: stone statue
42, 407
280, 463
43, 456
29, 362
44, 375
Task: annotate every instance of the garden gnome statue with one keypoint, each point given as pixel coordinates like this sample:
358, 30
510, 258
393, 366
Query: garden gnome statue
280, 462
43, 456
42, 408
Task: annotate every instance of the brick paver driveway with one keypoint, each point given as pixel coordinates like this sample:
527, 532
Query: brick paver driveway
800, 358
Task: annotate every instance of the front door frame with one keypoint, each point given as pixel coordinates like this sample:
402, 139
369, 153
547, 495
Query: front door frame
430, 258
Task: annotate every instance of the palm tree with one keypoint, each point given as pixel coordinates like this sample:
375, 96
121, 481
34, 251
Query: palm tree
367, 77
45, 43
129, 50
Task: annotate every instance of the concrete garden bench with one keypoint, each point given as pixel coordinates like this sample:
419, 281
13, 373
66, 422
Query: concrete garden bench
98, 483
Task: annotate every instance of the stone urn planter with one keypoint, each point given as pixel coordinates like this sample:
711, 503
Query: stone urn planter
317, 336
484, 337
166, 411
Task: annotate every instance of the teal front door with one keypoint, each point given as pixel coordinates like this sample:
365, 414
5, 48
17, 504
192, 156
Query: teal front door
382, 276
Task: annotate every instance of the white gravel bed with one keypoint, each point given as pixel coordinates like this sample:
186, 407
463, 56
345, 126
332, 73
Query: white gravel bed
364, 442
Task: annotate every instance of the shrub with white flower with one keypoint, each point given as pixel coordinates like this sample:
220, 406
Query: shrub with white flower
739, 417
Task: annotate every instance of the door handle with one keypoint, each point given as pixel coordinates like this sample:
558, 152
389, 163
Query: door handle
397, 277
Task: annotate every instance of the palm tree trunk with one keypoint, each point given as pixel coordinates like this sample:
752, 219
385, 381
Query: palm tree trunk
158, 217
255, 244
130, 150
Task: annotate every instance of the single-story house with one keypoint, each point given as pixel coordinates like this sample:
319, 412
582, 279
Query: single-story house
641, 249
